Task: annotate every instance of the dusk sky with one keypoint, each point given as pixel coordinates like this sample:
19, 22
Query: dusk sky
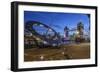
58, 20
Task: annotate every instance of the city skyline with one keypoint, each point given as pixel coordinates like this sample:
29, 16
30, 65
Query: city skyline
58, 21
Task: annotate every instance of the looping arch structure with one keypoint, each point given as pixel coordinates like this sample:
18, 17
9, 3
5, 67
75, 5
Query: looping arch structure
43, 32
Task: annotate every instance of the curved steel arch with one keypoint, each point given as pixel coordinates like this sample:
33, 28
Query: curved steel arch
29, 26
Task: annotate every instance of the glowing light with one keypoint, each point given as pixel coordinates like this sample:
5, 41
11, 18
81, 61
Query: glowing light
42, 57
77, 32
45, 42
50, 30
41, 25
63, 53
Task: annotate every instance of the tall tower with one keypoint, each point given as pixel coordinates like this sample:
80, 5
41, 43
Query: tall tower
66, 32
80, 29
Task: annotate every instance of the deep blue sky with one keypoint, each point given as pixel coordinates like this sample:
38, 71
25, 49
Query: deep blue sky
58, 20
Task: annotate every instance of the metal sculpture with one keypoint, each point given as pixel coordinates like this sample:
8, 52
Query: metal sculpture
45, 39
